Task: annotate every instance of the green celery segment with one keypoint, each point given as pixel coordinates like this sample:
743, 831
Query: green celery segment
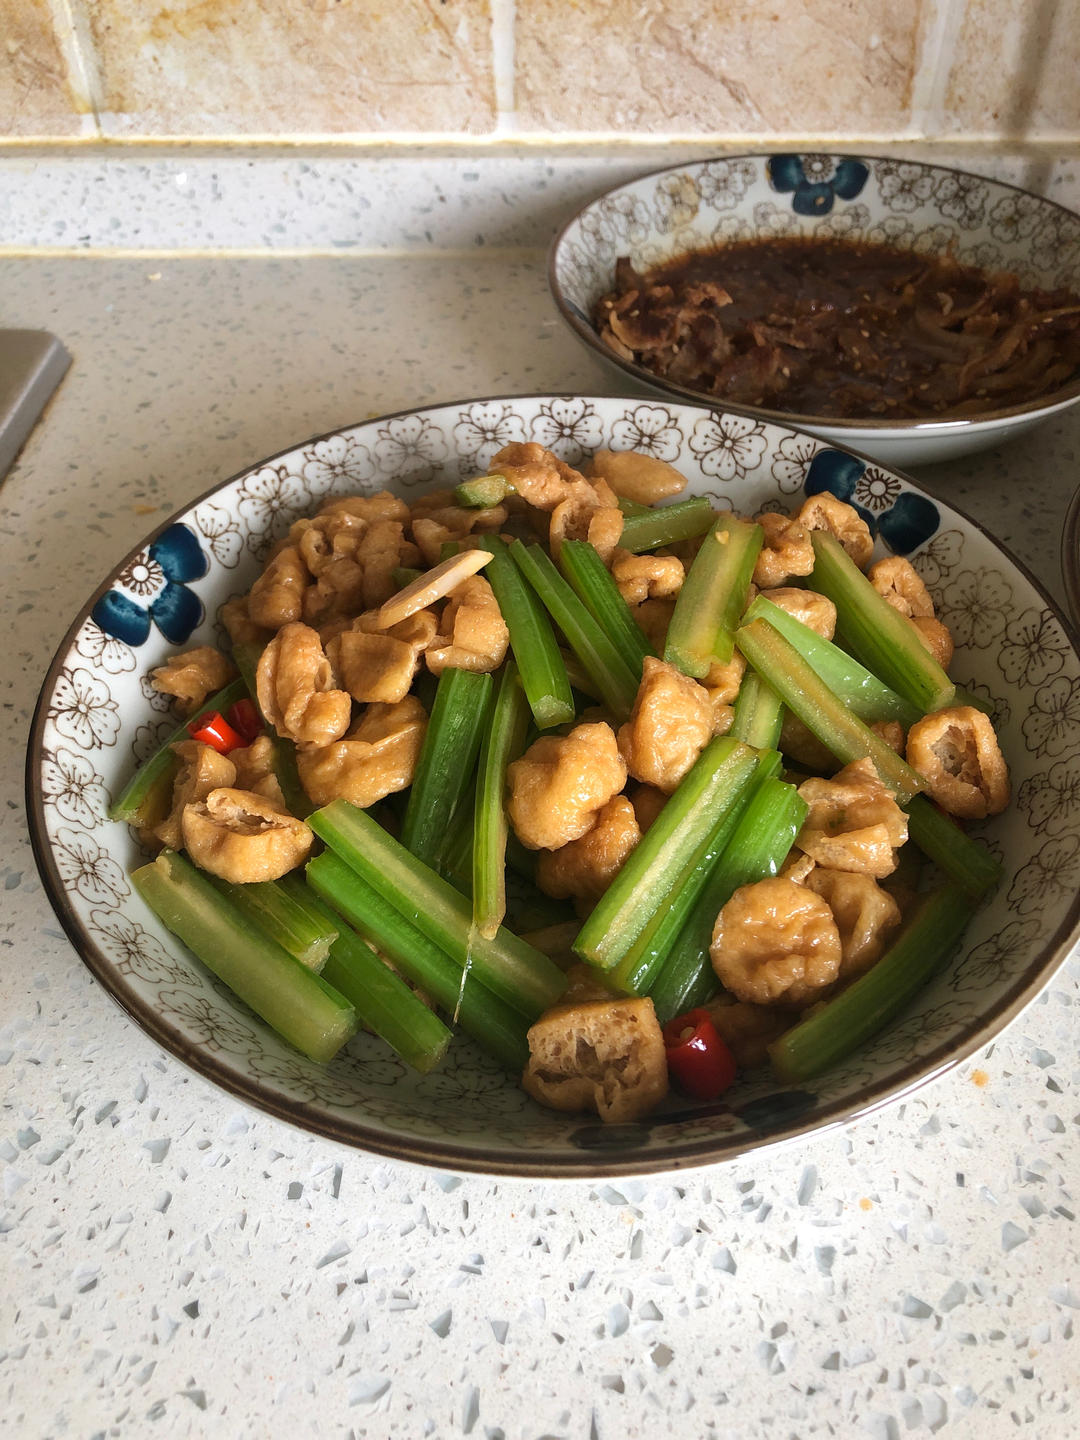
286, 911
591, 581
804, 693
603, 662
298, 1004
639, 968
507, 966
483, 491
503, 743
866, 624
665, 524
967, 862
495, 1026
659, 865
532, 639
383, 1002
759, 714
864, 694
844, 1023
134, 801
447, 763
713, 597
762, 840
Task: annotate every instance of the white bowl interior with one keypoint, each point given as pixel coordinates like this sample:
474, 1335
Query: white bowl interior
97, 720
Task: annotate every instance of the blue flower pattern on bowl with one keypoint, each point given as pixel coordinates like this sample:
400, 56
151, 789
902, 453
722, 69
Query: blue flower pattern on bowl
154, 587
904, 525
816, 181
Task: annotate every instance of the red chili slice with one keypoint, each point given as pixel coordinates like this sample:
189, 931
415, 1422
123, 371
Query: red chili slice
699, 1060
214, 730
245, 720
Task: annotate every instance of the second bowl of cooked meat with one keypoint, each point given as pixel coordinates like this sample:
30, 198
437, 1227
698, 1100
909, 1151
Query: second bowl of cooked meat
908, 310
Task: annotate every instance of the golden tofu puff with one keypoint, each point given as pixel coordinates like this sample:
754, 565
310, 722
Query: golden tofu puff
936, 637
472, 632
854, 823
297, 689
277, 596
583, 869
776, 942
602, 1055
671, 723
786, 552
373, 666
242, 837
646, 577
897, 582
865, 915
557, 789
376, 758
636, 476
825, 512
201, 769
190, 677
957, 753
437, 526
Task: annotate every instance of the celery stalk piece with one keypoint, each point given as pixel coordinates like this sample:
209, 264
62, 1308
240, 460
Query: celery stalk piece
497, 1027
447, 763
713, 597
133, 801
591, 581
633, 507
642, 964
515, 972
403, 575
539, 661
843, 1024
804, 693
579, 677
287, 914
863, 693
382, 1000
454, 861
293, 793
665, 524
483, 491
605, 666
300, 1006
503, 743
759, 714
964, 696
883, 639
965, 861
765, 834
658, 866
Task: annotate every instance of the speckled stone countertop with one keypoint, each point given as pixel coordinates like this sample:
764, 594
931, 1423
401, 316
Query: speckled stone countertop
175, 1264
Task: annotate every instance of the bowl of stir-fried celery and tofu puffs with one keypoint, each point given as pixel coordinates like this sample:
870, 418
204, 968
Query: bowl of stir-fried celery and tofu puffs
559, 785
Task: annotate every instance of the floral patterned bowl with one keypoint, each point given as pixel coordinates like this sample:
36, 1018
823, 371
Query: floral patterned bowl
97, 719
901, 203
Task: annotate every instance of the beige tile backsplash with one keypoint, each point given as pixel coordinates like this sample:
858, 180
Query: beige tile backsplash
407, 70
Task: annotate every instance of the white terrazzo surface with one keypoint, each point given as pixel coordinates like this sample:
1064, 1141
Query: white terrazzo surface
176, 1265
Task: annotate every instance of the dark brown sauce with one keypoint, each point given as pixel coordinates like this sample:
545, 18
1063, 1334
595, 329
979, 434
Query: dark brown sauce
843, 329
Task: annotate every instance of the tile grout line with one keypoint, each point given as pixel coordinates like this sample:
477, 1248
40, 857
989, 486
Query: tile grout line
931, 78
72, 29
503, 20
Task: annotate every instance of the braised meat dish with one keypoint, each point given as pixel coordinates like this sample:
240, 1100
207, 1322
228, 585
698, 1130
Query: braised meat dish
844, 330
